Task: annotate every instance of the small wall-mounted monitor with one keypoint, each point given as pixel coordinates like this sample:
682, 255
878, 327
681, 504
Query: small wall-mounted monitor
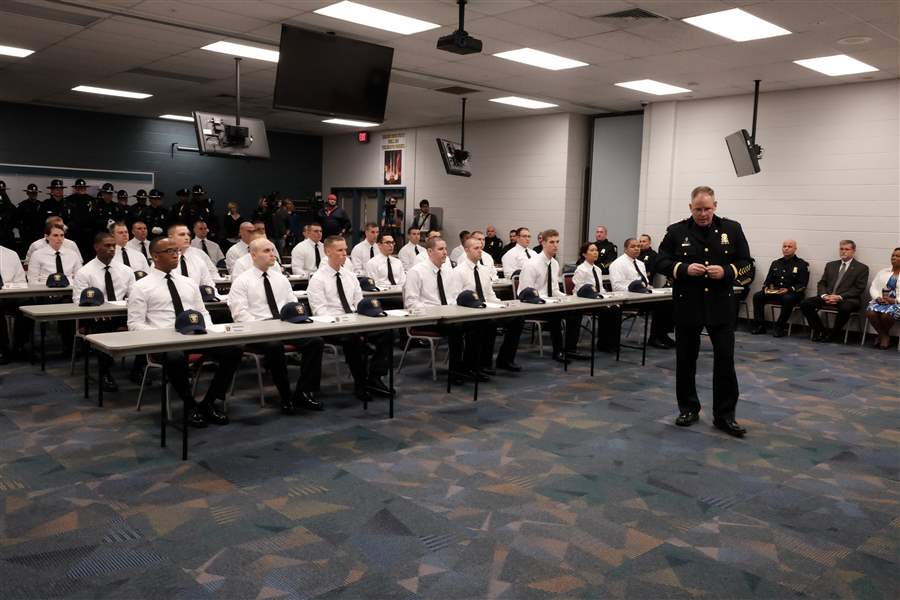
456, 160
219, 135
743, 154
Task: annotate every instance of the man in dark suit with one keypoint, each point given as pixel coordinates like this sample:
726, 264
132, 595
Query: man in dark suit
785, 285
705, 256
841, 288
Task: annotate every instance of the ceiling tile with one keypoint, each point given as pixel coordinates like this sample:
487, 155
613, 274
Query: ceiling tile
180, 11
511, 32
557, 22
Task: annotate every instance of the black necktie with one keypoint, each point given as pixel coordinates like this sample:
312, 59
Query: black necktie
173, 292
318, 256
59, 268
390, 272
270, 296
371, 251
144, 251
184, 270
638, 269
203, 245
440, 281
125, 257
527, 253
549, 280
416, 248
596, 279
110, 288
342, 295
478, 289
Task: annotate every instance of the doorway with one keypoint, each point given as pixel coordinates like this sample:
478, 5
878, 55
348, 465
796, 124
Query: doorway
365, 205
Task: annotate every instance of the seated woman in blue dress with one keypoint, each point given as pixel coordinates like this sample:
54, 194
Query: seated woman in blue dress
883, 311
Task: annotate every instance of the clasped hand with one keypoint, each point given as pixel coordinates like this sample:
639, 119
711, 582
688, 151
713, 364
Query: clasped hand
714, 271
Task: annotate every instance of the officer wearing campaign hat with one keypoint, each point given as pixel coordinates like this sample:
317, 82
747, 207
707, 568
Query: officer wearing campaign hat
180, 209
157, 214
54, 206
79, 206
200, 209
29, 220
140, 210
106, 211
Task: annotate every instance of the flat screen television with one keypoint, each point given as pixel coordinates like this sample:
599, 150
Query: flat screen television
456, 160
743, 156
219, 135
333, 76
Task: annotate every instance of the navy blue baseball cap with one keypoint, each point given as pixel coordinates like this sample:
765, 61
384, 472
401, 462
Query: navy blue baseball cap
367, 284
208, 293
531, 296
57, 280
295, 312
639, 287
91, 297
370, 307
589, 291
190, 322
470, 299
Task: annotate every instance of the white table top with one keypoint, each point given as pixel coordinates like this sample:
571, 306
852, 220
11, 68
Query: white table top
12, 290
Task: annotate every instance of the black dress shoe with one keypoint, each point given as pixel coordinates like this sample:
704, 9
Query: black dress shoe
362, 394
574, 355
730, 427
818, 336
511, 366
195, 419
758, 329
659, 343
211, 414
686, 419
108, 384
779, 332
559, 357
287, 408
307, 400
488, 371
377, 386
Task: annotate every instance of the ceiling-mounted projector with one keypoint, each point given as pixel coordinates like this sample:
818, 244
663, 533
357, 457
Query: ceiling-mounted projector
460, 42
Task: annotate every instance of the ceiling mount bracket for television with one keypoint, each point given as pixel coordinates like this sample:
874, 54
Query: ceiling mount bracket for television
745, 152
753, 147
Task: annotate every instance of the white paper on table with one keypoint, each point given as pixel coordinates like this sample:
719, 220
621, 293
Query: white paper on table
553, 300
494, 305
661, 290
15, 285
216, 327
323, 319
301, 293
397, 312
117, 302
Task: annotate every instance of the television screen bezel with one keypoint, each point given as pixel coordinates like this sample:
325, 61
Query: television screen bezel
745, 148
444, 146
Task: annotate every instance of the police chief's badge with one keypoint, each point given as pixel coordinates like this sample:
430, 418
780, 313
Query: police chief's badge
724, 240
194, 318
795, 269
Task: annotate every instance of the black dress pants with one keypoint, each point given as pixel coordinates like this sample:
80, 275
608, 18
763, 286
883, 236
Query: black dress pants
725, 384
508, 347
310, 350
573, 328
177, 372
19, 336
356, 346
812, 305
787, 301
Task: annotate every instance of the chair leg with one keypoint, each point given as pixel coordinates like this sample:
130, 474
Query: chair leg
433, 347
141, 391
259, 379
540, 334
403, 356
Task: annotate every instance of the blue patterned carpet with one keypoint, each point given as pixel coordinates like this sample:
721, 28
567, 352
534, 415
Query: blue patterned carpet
551, 485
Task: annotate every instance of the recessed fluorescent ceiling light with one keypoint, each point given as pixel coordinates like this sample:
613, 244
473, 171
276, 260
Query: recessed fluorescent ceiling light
523, 102
653, 87
177, 118
544, 60
108, 92
244, 51
13, 51
375, 17
351, 123
736, 24
833, 66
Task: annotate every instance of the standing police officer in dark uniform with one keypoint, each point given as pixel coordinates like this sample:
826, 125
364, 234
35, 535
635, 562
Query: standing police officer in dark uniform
122, 208
139, 211
157, 215
705, 256
200, 209
608, 251
105, 210
80, 208
54, 206
29, 219
648, 255
179, 211
7, 218
785, 285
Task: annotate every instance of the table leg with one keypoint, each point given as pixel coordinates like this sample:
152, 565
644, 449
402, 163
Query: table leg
43, 350
593, 339
644, 345
163, 413
391, 380
101, 372
619, 337
477, 361
184, 426
87, 365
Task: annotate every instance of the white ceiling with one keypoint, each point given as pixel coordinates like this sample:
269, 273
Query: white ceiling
165, 35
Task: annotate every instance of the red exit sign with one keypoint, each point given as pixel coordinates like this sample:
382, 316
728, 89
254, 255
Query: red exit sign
362, 137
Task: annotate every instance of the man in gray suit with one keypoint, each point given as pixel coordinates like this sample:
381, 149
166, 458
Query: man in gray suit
841, 288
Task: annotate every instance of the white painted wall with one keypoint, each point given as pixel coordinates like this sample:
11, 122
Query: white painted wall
830, 170
615, 177
526, 172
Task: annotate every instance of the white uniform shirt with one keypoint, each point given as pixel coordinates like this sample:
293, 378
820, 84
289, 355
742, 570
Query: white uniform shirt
43, 264
457, 254
534, 275
135, 244
584, 275
136, 260
322, 291
464, 278
377, 270
361, 254
624, 270
421, 287
93, 274
11, 267
215, 252
515, 258
247, 297
198, 266
150, 304
409, 253
234, 253
43, 243
303, 257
